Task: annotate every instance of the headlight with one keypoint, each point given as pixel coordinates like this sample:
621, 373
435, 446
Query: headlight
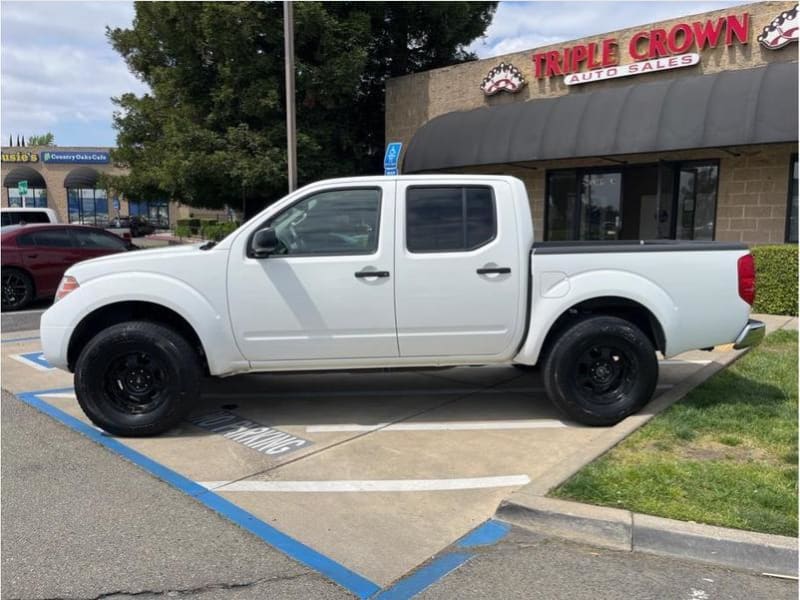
68, 284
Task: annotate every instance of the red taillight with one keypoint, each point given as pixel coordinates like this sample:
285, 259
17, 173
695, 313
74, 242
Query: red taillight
747, 278
68, 284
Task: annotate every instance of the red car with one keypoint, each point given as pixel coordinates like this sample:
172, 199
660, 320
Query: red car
34, 257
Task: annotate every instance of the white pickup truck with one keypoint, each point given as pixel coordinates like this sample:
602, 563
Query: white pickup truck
389, 272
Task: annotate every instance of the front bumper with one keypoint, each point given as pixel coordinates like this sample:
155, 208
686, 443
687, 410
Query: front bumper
751, 335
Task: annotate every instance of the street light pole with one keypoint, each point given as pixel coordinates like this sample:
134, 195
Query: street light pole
291, 138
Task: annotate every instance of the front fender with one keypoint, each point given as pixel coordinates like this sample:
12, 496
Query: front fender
208, 318
590, 285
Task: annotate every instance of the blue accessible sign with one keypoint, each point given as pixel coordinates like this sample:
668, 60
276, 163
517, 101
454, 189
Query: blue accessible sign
391, 157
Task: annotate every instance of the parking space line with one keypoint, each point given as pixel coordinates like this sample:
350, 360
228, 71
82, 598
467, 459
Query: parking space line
677, 361
425, 577
350, 580
443, 426
22, 339
486, 534
377, 485
34, 360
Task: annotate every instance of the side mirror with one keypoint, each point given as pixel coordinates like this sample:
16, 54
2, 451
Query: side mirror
265, 242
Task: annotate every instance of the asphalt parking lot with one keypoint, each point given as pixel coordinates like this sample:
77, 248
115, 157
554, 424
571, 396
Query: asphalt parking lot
375, 472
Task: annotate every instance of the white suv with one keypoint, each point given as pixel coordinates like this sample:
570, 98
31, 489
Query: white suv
15, 216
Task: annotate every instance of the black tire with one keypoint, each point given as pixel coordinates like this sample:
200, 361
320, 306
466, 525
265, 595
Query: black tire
17, 289
600, 370
137, 379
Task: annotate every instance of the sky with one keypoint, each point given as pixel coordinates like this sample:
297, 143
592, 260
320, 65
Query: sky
58, 72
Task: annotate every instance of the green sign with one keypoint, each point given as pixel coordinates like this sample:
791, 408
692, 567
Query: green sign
22, 188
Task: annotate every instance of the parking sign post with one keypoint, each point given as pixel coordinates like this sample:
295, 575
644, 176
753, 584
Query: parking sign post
22, 189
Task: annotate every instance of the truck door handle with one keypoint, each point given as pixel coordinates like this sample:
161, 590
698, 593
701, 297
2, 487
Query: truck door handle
372, 273
491, 270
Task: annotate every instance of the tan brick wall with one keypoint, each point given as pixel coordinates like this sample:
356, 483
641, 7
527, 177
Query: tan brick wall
413, 100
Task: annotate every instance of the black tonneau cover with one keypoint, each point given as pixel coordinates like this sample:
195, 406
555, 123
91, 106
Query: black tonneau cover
595, 246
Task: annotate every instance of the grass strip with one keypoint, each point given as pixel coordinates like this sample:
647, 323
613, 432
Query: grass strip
725, 455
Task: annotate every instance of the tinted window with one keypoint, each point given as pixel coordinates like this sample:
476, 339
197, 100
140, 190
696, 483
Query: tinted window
337, 222
52, 238
97, 240
26, 240
34, 217
446, 219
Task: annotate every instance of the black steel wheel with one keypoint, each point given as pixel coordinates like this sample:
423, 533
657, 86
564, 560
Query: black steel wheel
137, 378
600, 370
17, 289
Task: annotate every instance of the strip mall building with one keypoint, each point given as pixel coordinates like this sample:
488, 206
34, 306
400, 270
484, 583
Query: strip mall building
683, 129
68, 180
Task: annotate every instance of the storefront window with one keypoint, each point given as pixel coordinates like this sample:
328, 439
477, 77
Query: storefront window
561, 205
664, 201
87, 206
155, 211
791, 219
35, 198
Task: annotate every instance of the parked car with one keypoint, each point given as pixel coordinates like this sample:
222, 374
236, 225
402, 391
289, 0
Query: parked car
16, 216
137, 226
382, 272
35, 257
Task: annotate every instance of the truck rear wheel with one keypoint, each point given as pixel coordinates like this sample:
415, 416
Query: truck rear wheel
600, 370
137, 379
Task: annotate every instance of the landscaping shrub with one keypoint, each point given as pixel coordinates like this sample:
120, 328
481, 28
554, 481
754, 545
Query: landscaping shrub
182, 231
776, 279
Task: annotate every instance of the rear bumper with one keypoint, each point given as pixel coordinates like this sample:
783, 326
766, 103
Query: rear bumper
751, 335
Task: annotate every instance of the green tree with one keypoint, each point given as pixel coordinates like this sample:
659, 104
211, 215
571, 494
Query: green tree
212, 129
47, 139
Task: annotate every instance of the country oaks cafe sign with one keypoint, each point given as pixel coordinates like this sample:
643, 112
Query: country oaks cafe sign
651, 50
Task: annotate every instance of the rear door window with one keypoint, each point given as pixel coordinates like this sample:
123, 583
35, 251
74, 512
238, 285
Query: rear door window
97, 240
449, 219
52, 238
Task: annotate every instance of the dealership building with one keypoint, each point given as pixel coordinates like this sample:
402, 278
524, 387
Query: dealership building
682, 129
68, 180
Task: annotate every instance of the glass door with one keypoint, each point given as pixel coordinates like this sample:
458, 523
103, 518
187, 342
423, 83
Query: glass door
601, 204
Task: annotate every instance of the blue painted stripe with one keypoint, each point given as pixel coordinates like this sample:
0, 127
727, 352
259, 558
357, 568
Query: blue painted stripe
490, 532
37, 358
358, 585
425, 577
26, 339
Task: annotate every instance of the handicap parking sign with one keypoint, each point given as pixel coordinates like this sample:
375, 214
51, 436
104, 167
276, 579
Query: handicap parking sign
391, 158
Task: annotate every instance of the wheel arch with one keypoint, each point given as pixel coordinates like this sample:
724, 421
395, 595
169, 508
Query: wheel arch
131, 310
612, 306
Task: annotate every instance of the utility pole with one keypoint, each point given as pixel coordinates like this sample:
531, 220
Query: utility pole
291, 137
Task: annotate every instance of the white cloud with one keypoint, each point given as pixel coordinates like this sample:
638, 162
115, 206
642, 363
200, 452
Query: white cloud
525, 25
58, 70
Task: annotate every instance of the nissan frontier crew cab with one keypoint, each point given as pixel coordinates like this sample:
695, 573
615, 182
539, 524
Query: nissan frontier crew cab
383, 272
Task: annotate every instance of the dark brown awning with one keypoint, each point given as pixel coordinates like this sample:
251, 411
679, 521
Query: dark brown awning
17, 174
82, 177
730, 108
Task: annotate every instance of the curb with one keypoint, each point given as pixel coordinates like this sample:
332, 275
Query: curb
624, 530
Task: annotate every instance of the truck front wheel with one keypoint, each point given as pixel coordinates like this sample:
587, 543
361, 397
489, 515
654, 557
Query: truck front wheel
600, 370
137, 379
